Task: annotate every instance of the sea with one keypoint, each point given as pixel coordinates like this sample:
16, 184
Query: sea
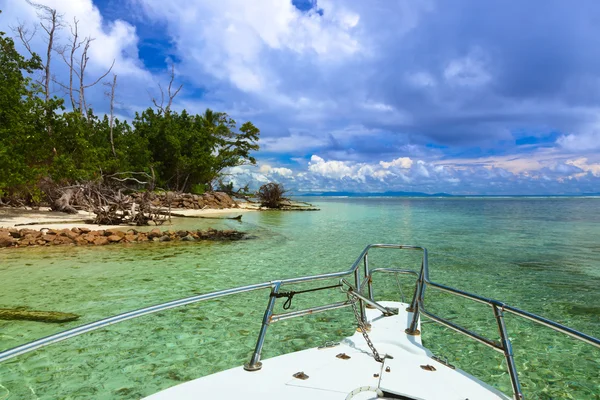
541, 254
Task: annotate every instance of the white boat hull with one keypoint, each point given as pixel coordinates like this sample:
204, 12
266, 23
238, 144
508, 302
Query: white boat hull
405, 376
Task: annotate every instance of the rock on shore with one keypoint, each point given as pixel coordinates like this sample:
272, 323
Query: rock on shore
13, 237
215, 200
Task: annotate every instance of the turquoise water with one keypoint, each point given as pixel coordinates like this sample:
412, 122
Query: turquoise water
541, 254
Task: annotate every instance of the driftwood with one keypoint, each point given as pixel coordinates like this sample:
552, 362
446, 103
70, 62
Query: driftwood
40, 316
107, 198
63, 203
238, 217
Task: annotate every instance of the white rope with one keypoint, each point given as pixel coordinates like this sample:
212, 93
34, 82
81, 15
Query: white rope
365, 389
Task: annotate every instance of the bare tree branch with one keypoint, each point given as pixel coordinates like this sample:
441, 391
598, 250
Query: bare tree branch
102, 77
162, 100
25, 35
71, 61
113, 86
170, 94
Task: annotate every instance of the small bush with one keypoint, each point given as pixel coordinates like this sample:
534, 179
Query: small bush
271, 195
198, 189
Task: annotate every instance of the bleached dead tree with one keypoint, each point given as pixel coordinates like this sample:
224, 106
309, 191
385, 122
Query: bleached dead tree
77, 64
171, 94
68, 55
111, 95
81, 75
51, 22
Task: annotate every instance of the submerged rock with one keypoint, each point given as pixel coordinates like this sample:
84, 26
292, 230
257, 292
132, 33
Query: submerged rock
85, 237
40, 316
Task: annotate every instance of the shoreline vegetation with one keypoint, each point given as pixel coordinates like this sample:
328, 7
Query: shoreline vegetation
19, 225
102, 172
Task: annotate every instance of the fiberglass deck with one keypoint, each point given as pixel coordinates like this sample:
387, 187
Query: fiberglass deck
330, 377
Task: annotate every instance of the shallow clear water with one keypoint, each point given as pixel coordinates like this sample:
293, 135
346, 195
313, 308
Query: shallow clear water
541, 254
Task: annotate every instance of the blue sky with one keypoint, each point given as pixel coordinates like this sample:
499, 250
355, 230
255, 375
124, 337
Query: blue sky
465, 97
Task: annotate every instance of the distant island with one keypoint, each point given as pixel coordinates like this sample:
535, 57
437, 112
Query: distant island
374, 194
421, 194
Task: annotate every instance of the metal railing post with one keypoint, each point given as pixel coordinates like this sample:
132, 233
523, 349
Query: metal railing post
508, 353
414, 306
363, 314
368, 276
255, 364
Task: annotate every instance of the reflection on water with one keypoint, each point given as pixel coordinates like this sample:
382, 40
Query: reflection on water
540, 254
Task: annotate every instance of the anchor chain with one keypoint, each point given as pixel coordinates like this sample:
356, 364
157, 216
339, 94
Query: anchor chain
363, 328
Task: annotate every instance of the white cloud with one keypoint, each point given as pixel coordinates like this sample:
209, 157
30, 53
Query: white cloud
470, 70
113, 40
421, 79
267, 169
424, 176
401, 162
585, 165
582, 142
230, 39
331, 169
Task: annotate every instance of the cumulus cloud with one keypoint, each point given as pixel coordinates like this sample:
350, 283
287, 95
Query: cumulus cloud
113, 40
582, 142
401, 162
572, 176
428, 95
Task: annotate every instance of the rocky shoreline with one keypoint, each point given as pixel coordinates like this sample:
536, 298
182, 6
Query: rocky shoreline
212, 200
13, 237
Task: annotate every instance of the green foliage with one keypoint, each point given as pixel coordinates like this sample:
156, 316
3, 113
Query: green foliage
271, 195
198, 189
21, 119
39, 140
187, 150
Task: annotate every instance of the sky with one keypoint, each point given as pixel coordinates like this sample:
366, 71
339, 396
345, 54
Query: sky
463, 97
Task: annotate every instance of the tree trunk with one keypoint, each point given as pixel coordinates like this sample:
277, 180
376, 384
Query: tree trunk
63, 203
112, 108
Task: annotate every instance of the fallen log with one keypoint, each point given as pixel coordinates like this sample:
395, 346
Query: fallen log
239, 217
40, 316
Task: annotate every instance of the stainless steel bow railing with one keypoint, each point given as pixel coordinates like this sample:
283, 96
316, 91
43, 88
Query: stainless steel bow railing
268, 318
504, 346
417, 307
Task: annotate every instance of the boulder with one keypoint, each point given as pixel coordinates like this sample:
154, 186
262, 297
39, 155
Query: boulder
165, 238
71, 235
7, 241
30, 233
26, 242
130, 237
154, 233
101, 241
14, 232
115, 238
48, 237
81, 241
63, 240
112, 232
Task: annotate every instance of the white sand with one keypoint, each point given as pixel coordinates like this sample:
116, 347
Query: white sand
44, 218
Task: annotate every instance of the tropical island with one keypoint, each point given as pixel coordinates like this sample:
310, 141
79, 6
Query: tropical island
57, 155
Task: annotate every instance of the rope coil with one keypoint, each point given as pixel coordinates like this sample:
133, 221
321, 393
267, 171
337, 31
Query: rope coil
290, 295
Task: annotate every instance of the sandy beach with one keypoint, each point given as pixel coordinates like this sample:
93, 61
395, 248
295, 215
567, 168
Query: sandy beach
45, 218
